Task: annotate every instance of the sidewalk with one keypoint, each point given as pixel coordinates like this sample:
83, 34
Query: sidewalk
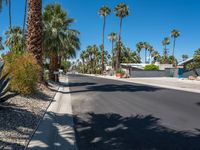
56, 130
164, 82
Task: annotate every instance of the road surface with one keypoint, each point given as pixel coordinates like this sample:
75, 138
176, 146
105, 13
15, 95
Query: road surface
116, 115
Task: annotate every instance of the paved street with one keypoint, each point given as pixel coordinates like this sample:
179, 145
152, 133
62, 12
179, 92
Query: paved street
116, 115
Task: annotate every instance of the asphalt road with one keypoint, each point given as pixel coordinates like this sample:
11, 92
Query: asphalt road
115, 115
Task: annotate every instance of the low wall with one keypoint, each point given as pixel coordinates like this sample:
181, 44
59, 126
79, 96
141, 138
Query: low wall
160, 73
190, 73
143, 74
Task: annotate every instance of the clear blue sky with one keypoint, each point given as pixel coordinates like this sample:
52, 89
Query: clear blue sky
149, 20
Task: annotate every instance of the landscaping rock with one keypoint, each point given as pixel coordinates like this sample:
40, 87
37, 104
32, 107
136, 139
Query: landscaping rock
198, 78
19, 117
191, 78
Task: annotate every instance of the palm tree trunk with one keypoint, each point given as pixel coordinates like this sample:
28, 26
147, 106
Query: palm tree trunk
25, 14
119, 48
10, 16
104, 24
174, 44
165, 55
59, 61
35, 31
112, 54
53, 66
24, 23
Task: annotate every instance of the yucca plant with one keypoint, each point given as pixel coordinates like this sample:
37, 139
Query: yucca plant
4, 82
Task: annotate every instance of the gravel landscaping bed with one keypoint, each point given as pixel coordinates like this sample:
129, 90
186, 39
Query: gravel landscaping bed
19, 117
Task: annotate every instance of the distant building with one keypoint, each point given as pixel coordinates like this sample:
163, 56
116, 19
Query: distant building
141, 66
185, 62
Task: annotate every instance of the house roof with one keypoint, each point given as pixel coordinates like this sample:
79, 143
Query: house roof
134, 65
185, 61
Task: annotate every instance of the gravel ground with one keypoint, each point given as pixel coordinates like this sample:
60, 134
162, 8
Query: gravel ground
19, 117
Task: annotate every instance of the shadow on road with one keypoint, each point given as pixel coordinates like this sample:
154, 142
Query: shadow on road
114, 132
122, 88
109, 88
81, 84
198, 104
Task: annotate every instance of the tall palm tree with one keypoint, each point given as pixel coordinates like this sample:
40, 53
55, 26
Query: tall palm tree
165, 42
35, 31
104, 11
112, 38
174, 34
121, 11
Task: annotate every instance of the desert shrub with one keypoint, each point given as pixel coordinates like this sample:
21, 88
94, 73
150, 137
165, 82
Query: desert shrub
24, 71
120, 71
151, 67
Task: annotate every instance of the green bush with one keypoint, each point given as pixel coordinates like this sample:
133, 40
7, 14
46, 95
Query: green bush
24, 71
120, 71
151, 67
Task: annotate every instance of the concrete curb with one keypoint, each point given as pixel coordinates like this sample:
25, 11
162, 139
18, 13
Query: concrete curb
56, 129
29, 140
144, 83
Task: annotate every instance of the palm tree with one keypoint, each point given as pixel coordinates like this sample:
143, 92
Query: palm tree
139, 47
174, 34
121, 11
58, 41
103, 11
14, 40
112, 38
165, 42
35, 31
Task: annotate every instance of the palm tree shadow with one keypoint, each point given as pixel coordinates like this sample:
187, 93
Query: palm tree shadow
53, 133
91, 87
73, 84
21, 124
122, 88
7, 97
114, 132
